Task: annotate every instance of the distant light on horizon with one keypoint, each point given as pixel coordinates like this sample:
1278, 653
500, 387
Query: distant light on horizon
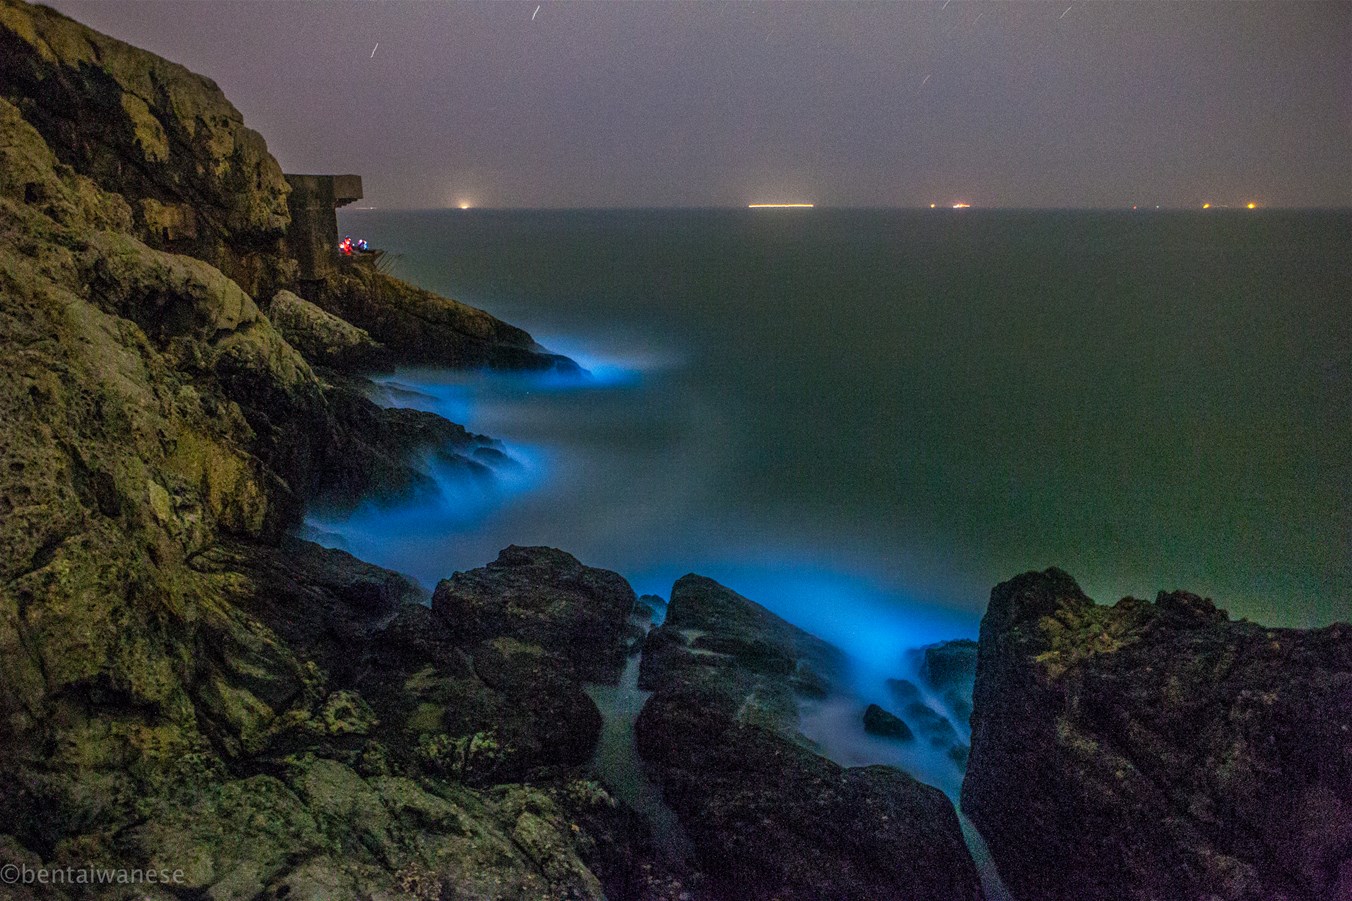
1251, 205
962, 206
780, 206
465, 205
1206, 206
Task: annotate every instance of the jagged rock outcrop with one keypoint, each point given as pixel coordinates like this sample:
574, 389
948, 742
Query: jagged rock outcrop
427, 329
768, 817
716, 636
1159, 750
192, 179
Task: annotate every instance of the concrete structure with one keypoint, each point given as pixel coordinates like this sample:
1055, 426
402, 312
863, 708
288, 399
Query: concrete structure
313, 236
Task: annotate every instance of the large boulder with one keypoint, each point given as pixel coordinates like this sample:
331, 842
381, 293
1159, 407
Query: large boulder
1159, 750
878, 721
768, 817
545, 597
321, 337
713, 635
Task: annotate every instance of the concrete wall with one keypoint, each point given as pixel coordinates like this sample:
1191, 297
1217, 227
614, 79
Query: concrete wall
313, 236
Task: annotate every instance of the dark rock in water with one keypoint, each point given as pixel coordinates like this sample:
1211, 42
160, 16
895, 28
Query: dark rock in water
502, 654
878, 721
546, 597
950, 664
959, 754
950, 669
927, 721
769, 819
930, 723
904, 690
1146, 751
772, 820
712, 633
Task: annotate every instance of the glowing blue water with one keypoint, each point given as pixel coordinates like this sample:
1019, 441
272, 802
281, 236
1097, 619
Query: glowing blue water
931, 403
562, 482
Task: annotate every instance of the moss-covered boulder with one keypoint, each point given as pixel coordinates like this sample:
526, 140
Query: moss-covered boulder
320, 336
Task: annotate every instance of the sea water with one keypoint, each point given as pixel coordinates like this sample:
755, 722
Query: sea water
865, 419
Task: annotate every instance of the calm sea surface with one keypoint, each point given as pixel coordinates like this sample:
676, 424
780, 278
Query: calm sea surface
865, 419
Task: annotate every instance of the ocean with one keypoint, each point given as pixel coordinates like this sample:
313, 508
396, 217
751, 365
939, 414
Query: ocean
866, 419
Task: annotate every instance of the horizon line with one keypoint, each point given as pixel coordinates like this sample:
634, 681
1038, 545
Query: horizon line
927, 208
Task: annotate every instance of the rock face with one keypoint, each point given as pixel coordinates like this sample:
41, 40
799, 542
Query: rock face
770, 819
1146, 751
716, 636
950, 669
195, 180
190, 178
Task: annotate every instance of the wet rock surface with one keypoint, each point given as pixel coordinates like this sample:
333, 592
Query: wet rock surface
1159, 750
950, 669
878, 721
768, 817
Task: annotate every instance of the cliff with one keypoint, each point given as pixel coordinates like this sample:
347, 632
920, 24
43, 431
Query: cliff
178, 681
188, 177
1159, 750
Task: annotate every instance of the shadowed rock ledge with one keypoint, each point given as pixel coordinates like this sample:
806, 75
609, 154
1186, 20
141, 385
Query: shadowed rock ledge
1159, 750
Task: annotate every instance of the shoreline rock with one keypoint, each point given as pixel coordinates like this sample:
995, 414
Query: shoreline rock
769, 818
1162, 749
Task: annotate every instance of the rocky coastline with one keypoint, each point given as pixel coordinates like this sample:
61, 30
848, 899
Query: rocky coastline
185, 686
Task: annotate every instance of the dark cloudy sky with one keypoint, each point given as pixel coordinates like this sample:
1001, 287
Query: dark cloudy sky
714, 104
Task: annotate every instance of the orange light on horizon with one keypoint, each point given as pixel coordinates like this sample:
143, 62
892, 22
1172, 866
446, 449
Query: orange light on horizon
1251, 205
1206, 206
780, 206
962, 206
933, 205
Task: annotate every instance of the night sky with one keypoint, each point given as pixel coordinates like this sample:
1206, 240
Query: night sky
712, 104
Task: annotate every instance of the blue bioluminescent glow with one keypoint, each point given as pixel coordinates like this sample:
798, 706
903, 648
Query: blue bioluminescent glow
625, 471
